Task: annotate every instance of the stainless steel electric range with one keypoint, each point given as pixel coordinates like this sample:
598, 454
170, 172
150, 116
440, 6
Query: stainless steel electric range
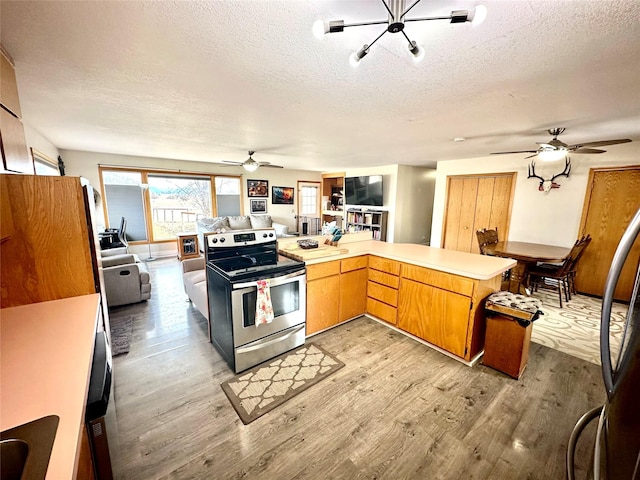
236, 260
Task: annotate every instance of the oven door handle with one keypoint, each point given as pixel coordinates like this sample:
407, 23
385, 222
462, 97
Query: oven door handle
262, 344
273, 282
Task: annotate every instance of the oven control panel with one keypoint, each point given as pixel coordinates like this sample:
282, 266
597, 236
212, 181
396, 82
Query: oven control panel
233, 238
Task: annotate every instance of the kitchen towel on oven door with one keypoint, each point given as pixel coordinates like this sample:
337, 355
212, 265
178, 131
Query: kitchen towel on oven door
264, 308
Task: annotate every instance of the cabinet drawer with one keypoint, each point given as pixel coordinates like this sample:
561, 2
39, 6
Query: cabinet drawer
384, 278
385, 265
384, 294
321, 270
355, 263
445, 281
382, 310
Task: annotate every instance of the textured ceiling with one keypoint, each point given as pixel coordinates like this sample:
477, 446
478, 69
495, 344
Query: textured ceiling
208, 81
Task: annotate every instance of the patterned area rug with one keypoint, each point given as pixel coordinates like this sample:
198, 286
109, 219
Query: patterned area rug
121, 329
575, 328
262, 388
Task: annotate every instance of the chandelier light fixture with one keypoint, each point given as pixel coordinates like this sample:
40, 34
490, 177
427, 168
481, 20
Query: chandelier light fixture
395, 22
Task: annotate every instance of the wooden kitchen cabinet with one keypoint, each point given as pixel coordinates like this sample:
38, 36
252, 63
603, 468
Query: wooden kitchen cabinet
443, 309
353, 287
15, 155
52, 252
323, 296
382, 288
8, 85
336, 292
13, 144
435, 315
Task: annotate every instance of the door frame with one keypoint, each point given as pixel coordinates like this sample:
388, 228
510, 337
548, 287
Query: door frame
513, 175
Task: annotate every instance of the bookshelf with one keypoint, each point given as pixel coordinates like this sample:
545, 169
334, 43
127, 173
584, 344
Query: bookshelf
360, 219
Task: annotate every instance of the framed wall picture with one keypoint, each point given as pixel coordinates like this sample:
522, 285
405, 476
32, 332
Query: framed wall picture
257, 188
282, 195
258, 205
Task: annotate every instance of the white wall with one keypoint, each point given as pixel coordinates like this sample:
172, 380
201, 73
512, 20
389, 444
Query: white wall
85, 164
553, 217
414, 204
37, 141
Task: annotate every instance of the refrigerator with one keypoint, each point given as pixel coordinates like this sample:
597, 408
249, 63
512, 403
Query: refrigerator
616, 447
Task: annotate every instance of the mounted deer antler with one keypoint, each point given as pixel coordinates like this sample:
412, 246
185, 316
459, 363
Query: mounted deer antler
546, 185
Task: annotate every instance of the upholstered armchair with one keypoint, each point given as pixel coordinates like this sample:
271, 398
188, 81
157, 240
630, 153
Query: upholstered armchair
126, 280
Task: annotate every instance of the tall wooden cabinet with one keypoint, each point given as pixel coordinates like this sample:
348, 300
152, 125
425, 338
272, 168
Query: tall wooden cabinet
15, 156
476, 202
52, 250
333, 198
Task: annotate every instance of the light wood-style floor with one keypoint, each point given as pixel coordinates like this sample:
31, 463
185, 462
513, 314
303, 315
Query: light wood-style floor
397, 410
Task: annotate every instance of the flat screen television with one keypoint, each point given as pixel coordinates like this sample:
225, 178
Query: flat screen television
364, 190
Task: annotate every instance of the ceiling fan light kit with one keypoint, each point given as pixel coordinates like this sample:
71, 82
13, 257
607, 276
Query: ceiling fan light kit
556, 149
250, 165
395, 22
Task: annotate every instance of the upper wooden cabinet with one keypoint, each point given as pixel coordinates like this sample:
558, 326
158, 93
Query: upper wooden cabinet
8, 86
50, 254
13, 145
15, 155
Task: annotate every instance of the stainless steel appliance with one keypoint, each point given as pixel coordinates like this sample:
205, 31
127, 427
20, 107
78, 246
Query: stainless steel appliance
616, 453
236, 261
99, 408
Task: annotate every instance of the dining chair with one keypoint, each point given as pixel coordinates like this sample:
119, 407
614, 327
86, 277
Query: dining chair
486, 237
562, 274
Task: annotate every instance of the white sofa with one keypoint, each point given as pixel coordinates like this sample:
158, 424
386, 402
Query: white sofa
195, 284
242, 222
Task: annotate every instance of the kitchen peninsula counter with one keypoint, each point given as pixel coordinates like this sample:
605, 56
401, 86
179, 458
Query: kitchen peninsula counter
431, 294
470, 265
45, 365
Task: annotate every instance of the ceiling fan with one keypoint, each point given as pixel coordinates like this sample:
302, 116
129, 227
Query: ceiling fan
556, 149
251, 165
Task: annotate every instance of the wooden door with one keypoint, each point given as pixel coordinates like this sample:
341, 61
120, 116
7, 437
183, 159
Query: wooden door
475, 202
611, 201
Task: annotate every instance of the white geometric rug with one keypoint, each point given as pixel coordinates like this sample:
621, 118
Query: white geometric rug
264, 387
575, 328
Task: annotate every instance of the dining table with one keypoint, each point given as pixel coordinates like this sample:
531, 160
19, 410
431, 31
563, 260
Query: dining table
526, 254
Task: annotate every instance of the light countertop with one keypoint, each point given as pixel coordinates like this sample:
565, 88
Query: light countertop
470, 265
46, 351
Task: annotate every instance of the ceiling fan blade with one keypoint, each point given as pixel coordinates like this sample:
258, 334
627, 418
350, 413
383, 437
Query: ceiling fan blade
271, 166
588, 150
517, 151
602, 143
232, 163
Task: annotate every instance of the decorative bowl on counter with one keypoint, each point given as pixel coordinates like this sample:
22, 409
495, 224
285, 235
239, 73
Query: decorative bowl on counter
307, 244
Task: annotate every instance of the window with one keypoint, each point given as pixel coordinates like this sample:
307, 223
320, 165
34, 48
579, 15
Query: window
309, 208
44, 165
309, 204
177, 202
228, 198
172, 203
124, 199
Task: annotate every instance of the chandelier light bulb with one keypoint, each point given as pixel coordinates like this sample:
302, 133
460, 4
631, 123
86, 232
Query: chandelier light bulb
319, 29
478, 14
